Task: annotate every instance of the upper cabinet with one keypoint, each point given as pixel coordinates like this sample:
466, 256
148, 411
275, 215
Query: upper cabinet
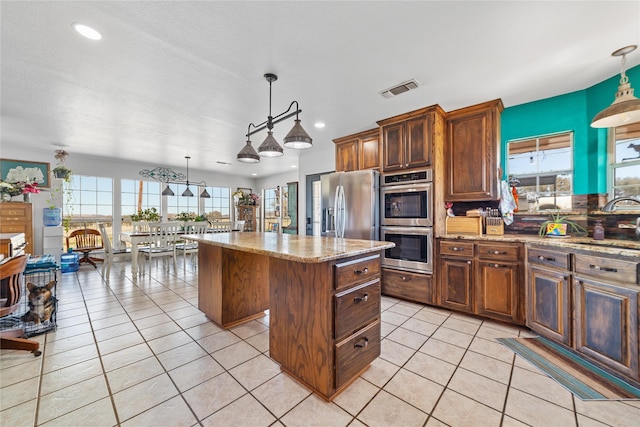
358, 151
472, 149
408, 139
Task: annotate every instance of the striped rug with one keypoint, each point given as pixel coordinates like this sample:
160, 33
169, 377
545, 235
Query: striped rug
579, 376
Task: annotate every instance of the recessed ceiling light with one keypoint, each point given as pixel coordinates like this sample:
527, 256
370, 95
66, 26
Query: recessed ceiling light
254, 174
293, 166
87, 32
319, 125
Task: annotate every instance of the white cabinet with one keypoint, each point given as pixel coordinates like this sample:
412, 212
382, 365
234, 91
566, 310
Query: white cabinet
52, 241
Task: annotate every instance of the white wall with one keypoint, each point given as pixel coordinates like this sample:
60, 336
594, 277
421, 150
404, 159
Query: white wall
315, 160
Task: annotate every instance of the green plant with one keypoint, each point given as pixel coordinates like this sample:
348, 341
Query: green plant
184, 216
200, 218
150, 214
558, 218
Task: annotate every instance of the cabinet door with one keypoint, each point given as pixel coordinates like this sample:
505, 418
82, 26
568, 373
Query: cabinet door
347, 156
607, 324
393, 147
456, 284
370, 152
548, 304
496, 291
418, 143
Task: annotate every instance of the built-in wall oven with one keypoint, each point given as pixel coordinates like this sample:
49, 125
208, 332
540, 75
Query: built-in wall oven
413, 250
406, 220
405, 199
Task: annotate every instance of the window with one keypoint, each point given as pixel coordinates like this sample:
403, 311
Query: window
218, 207
137, 195
624, 163
89, 201
178, 203
544, 166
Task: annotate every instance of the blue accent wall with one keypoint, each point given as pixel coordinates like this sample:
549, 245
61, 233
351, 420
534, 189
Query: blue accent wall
570, 112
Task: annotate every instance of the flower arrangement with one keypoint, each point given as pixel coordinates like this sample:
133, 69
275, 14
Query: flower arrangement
243, 198
9, 188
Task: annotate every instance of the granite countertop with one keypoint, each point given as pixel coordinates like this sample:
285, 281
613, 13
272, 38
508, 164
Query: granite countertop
309, 249
606, 246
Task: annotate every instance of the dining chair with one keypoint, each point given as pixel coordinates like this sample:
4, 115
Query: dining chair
189, 246
85, 241
239, 226
221, 227
11, 289
161, 243
110, 253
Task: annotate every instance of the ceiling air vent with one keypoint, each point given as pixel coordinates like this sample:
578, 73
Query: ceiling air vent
400, 88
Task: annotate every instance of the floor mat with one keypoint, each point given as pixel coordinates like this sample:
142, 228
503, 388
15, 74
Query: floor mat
582, 378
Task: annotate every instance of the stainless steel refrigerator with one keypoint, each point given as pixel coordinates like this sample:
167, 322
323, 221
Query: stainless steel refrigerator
350, 205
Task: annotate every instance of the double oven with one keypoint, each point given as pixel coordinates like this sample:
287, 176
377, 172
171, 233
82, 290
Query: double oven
406, 219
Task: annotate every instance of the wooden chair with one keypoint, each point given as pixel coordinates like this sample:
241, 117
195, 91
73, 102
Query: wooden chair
189, 246
110, 253
86, 241
161, 243
239, 226
11, 286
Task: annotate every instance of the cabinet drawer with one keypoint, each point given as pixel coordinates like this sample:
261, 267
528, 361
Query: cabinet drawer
356, 307
356, 352
499, 252
8, 227
15, 213
605, 269
548, 258
405, 285
356, 271
464, 249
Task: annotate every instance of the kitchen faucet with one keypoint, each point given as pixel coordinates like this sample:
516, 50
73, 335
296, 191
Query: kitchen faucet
610, 205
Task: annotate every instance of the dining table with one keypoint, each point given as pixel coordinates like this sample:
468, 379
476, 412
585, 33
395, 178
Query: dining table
138, 238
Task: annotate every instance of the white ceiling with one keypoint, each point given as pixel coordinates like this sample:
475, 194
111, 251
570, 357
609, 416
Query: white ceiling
178, 78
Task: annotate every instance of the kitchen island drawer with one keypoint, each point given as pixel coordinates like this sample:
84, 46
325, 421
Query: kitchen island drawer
356, 307
356, 352
549, 258
606, 269
356, 271
498, 252
449, 248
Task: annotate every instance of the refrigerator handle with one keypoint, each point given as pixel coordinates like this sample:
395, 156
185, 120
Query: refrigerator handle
336, 212
343, 212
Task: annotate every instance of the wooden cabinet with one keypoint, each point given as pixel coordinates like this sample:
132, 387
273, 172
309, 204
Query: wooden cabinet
606, 311
358, 151
17, 217
408, 139
549, 294
481, 278
325, 320
248, 215
455, 274
498, 283
408, 286
472, 149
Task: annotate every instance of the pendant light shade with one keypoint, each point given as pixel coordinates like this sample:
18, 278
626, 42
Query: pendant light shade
297, 137
270, 147
625, 109
205, 194
248, 154
168, 191
187, 193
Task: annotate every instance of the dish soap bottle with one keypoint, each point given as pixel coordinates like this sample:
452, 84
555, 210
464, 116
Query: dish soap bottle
598, 231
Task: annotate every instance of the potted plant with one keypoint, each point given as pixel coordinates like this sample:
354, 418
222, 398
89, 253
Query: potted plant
557, 225
150, 214
61, 171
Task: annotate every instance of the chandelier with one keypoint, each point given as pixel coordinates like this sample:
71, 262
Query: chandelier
168, 176
625, 109
297, 137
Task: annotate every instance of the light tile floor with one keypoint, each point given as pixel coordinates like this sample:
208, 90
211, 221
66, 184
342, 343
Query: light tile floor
142, 354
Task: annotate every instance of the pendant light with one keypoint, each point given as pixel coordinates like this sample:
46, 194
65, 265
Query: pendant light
625, 109
187, 192
168, 191
297, 137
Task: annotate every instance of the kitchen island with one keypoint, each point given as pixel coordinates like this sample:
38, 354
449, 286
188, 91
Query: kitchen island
323, 297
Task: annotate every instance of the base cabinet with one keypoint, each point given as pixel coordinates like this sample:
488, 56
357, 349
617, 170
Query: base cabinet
17, 217
408, 286
548, 294
497, 291
456, 284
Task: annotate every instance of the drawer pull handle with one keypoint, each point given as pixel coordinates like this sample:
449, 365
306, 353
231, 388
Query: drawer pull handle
609, 269
496, 265
361, 343
496, 252
361, 299
541, 258
363, 271
469, 262
405, 278
457, 249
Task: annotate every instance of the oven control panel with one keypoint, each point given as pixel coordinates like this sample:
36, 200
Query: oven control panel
407, 177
